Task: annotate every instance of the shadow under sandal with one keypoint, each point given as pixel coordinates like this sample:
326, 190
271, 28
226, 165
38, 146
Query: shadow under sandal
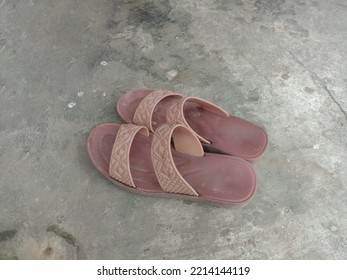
218, 131
171, 163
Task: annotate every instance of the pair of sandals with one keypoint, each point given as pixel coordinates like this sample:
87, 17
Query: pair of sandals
181, 147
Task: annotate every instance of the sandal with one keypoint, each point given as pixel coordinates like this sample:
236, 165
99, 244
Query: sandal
171, 162
218, 131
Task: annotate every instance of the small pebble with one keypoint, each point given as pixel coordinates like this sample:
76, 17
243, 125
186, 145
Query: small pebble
171, 74
80, 94
285, 76
333, 228
103, 63
71, 105
316, 147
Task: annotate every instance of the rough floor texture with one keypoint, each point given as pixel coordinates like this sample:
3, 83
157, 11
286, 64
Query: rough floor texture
279, 63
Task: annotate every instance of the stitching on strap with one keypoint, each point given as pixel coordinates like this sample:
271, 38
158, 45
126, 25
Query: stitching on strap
144, 111
119, 168
175, 115
167, 174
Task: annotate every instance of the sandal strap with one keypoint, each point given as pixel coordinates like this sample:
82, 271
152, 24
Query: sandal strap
144, 111
119, 168
175, 114
168, 176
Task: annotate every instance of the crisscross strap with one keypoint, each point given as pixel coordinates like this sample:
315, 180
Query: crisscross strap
175, 114
119, 162
185, 142
144, 111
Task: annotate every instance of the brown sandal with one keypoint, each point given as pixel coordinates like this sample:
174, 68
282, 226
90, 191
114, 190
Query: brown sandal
170, 162
218, 131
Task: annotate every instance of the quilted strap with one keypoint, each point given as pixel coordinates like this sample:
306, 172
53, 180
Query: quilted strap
119, 162
185, 142
175, 113
144, 111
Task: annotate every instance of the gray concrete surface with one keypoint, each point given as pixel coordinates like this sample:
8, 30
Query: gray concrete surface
279, 63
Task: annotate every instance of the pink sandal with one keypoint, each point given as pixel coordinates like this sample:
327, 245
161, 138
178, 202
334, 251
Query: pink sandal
171, 162
214, 127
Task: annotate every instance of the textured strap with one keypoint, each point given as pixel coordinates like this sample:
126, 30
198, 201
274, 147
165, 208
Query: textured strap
175, 114
144, 111
119, 162
167, 174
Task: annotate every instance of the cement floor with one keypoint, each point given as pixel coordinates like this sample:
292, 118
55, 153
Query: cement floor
279, 63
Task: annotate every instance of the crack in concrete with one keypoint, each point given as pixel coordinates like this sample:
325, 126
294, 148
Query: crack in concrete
68, 237
321, 82
258, 72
